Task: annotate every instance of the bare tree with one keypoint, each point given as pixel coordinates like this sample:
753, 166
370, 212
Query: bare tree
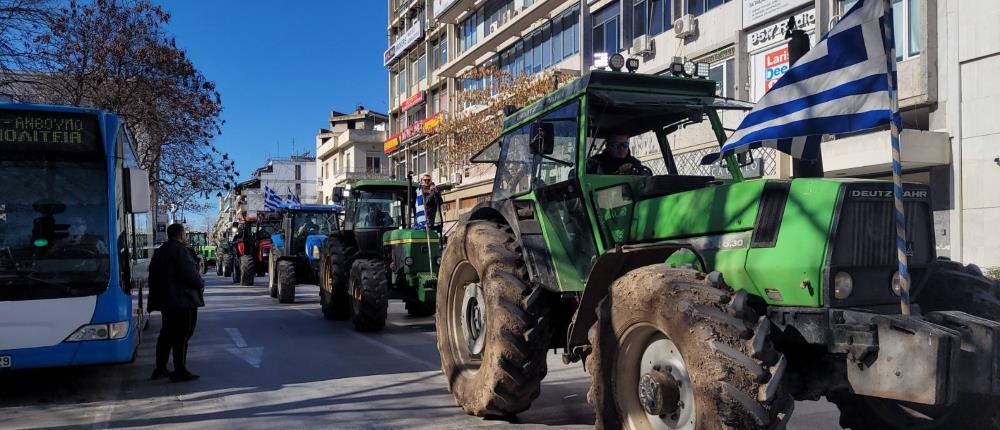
116, 55
21, 21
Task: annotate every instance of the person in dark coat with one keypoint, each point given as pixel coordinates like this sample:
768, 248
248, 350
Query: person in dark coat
176, 290
615, 159
432, 199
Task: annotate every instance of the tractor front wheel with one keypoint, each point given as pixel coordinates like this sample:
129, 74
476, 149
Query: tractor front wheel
369, 294
286, 281
247, 270
493, 330
272, 279
416, 308
335, 264
218, 266
227, 266
673, 351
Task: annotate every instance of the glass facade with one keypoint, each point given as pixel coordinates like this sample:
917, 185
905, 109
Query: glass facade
605, 34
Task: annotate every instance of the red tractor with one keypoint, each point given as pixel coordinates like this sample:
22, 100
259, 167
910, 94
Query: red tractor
251, 246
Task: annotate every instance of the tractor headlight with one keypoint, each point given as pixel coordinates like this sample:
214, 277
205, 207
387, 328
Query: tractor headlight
843, 285
897, 284
116, 330
408, 261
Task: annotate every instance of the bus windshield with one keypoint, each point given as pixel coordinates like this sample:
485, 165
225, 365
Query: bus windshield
53, 227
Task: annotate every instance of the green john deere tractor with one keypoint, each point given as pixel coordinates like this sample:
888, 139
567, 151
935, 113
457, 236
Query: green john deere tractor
702, 302
377, 256
206, 252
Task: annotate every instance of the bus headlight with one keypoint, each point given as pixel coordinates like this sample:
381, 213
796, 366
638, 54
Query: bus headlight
843, 285
897, 284
116, 330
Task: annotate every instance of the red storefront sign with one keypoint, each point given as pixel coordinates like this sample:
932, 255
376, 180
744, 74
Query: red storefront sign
414, 100
775, 66
417, 129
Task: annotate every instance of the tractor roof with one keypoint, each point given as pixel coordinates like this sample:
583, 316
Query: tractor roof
379, 184
620, 89
297, 207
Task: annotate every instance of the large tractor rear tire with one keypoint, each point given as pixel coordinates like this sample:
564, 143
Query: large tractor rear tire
951, 288
272, 279
492, 331
247, 270
672, 350
286, 281
369, 294
227, 266
334, 298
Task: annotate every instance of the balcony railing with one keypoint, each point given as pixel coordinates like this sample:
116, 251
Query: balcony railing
354, 175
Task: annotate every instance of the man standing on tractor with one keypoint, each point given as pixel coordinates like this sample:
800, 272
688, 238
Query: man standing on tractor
616, 159
432, 199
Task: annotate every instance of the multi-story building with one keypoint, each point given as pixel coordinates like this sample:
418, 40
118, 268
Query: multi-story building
946, 52
349, 150
434, 43
295, 175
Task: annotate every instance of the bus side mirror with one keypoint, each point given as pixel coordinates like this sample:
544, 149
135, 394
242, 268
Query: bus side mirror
542, 138
138, 190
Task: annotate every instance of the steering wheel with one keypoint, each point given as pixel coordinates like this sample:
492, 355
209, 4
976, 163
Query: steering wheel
644, 171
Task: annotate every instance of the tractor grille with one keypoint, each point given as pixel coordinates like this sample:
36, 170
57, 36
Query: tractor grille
866, 233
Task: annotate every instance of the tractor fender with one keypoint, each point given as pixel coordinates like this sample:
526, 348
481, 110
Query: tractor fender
520, 216
609, 267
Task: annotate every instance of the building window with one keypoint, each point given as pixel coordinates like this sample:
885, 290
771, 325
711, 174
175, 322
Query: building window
639, 18
422, 68
723, 73
606, 30
420, 163
298, 190
298, 172
698, 7
544, 48
373, 162
401, 84
906, 25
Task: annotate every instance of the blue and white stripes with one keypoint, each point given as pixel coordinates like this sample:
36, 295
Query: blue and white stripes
271, 199
421, 214
839, 86
292, 198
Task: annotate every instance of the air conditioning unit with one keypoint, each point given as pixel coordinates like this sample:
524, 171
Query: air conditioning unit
641, 45
457, 178
493, 27
685, 26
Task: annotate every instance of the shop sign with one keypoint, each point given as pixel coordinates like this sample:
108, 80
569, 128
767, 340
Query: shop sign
432, 123
391, 144
440, 6
405, 40
414, 100
756, 11
775, 66
775, 32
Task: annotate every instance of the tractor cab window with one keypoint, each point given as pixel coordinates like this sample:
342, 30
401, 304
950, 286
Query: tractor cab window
374, 210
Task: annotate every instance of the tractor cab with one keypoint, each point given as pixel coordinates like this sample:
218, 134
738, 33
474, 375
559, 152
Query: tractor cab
296, 245
375, 207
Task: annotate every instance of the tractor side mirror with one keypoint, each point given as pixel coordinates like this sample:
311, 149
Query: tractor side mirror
338, 194
542, 138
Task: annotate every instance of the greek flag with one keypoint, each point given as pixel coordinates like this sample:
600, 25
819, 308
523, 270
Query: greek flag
421, 213
292, 198
841, 85
271, 199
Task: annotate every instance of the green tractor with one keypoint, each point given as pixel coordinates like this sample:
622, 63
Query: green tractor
702, 302
295, 248
206, 252
378, 256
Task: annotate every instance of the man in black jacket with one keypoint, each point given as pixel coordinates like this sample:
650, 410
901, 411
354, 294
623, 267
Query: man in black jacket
176, 290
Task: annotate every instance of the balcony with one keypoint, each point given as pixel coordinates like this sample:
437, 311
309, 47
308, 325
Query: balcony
347, 138
505, 35
341, 178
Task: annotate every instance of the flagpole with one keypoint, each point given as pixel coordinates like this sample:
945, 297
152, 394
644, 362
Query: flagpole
897, 169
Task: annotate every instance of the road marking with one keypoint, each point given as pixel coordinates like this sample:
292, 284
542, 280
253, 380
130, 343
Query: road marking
384, 346
102, 418
252, 355
237, 337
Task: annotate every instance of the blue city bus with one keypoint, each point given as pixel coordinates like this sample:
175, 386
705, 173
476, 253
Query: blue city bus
75, 238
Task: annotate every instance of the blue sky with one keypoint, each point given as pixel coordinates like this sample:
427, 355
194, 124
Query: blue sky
281, 67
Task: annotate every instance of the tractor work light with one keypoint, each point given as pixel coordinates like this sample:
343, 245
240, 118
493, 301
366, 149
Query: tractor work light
689, 68
677, 69
408, 261
702, 70
616, 62
632, 64
843, 285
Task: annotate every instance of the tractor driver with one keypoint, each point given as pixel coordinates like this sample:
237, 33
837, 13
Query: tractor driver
376, 217
308, 227
616, 159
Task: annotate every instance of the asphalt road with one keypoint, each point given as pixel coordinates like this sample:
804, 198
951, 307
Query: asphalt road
266, 365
